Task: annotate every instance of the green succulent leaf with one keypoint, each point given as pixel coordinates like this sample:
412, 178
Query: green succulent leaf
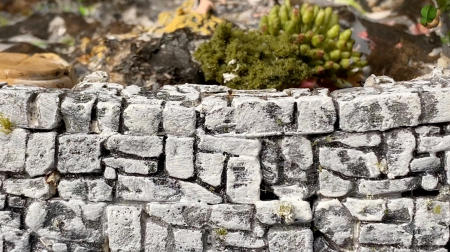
429, 13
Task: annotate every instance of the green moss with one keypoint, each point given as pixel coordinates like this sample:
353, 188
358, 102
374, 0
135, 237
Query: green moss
252, 60
6, 126
221, 232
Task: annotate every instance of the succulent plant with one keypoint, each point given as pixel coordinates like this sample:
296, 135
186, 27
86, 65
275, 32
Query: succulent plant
293, 45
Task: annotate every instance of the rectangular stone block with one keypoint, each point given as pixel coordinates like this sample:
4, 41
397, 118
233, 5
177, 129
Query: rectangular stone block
187, 240
435, 105
76, 109
292, 239
366, 109
142, 146
47, 113
380, 187
210, 167
190, 214
12, 150
365, 209
400, 145
297, 155
233, 146
180, 157
124, 228
79, 153
243, 179
31, 188
132, 166
315, 114
15, 104
40, 154
142, 119
147, 189
431, 222
255, 115
156, 237
108, 114
235, 217
219, 117
179, 120
386, 234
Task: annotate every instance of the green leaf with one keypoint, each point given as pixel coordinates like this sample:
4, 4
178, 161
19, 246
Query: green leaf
428, 14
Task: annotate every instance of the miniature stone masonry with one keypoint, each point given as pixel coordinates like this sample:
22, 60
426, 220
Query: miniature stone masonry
205, 168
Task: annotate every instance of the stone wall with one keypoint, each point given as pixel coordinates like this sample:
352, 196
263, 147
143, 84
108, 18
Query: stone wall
205, 168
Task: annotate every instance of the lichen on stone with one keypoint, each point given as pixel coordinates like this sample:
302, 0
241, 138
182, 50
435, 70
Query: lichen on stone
285, 212
6, 126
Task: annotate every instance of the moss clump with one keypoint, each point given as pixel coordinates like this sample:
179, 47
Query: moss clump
251, 60
293, 45
6, 126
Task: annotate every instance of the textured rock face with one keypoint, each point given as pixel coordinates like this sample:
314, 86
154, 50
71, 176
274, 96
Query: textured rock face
205, 168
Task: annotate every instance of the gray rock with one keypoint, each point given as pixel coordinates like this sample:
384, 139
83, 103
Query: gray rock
99, 190
295, 191
218, 116
427, 130
350, 162
142, 119
210, 167
431, 222
400, 145
93, 211
10, 219
179, 120
180, 214
59, 247
274, 211
2, 201
243, 179
142, 146
108, 114
133, 166
124, 228
233, 146
297, 155
435, 103
386, 234
15, 240
270, 159
333, 186
188, 240
110, 173
73, 189
335, 222
380, 187
290, 239
193, 192
76, 109
316, 114
429, 182
425, 164
12, 150
47, 115
400, 210
180, 157
40, 154
365, 109
433, 144
366, 210
156, 237
31, 188
79, 153
235, 217
15, 104
253, 115
243, 240
354, 140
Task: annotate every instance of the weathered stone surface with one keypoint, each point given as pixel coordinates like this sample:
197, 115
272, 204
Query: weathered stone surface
447, 166
48, 114
180, 214
156, 237
354, 140
10, 219
333, 220
366, 210
72, 189
187, 240
380, 187
270, 161
274, 211
431, 222
40, 153
180, 157
435, 104
365, 109
316, 114
2, 201
386, 234
400, 210
295, 191
142, 119
400, 145
433, 144
132, 166
297, 155
179, 120
210, 167
429, 182
76, 109
233, 146
12, 151
124, 228
254, 115
15, 104
333, 186
218, 116
243, 179
290, 239
110, 173
15, 240
350, 162
16, 201
99, 190
142, 146
193, 192
79, 153
425, 164
108, 114
235, 217
243, 240
93, 211
32, 188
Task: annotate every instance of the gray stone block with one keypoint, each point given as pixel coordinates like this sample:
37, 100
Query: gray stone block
132, 166
40, 154
124, 228
12, 150
431, 222
234, 217
293, 239
142, 119
47, 114
15, 105
210, 167
316, 114
386, 234
233, 146
180, 157
188, 240
381, 187
297, 155
142, 146
76, 109
179, 120
243, 179
400, 145
31, 188
79, 153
